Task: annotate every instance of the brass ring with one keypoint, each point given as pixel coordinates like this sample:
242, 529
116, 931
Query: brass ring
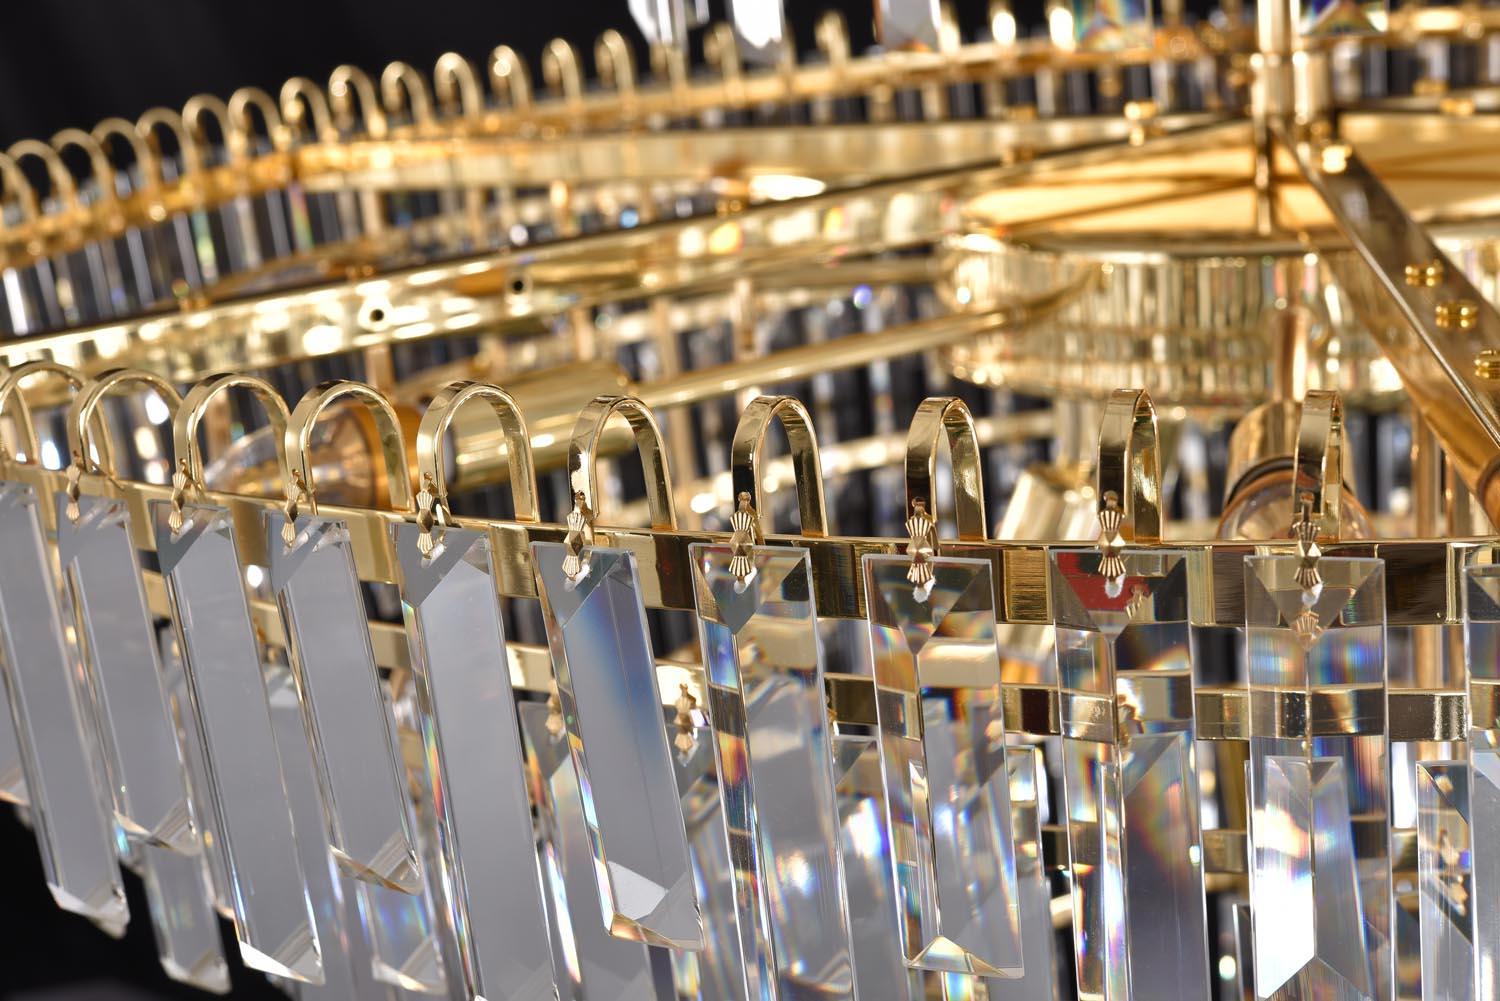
1128, 479
10, 388
298, 438
440, 413
1318, 468
936, 417
194, 407
583, 453
84, 413
802, 442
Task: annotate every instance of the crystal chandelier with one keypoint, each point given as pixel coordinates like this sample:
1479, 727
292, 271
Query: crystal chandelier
326, 417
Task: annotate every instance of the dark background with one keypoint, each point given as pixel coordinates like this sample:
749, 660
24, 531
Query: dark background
73, 62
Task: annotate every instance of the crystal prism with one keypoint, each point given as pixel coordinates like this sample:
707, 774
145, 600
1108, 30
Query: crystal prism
1482, 648
491, 871
140, 748
606, 683
273, 916
1445, 879
68, 804
1125, 680
1320, 876
1027, 803
183, 918
600, 965
12, 769
352, 734
768, 709
942, 745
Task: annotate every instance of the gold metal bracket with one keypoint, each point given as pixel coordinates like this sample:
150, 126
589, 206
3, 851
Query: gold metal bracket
1128, 479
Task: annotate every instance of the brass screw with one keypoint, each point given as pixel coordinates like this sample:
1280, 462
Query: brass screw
1426, 275
1487, 364
1460, 313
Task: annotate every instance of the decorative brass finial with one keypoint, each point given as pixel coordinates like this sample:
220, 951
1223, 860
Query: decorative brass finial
746, 526
923, 545
580, 536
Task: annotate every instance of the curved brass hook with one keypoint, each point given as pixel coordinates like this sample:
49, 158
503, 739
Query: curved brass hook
240, 104
198, 106
560, 70
721, 49
189, 458
583, 452
510, 80
145, 156
402, 87
669, 63
300, 100
832, 36
99, 166
432, 493
1318, 484
1128, 479
807, 467
298, 439
615, 63
938, 417
84, 413
454, 82
59, 177
165, 118
18, 187
346, 83
10, 389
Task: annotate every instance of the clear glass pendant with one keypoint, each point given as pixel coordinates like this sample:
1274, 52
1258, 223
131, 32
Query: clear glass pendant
12, 769
493, 885
1445, 878
1125, 680
1320, 877
68, 804
273, 916
942, 745
606, 683
183, 918
768, 709
599, 964
353, 736
1482, 648
1039, 982
125, 676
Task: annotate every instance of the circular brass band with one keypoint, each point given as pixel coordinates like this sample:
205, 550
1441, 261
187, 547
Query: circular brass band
802, 443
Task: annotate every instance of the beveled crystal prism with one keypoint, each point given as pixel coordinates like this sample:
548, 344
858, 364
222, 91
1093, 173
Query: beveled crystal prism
768, 709
942, 745
118, 643
492, 880
606, 683
65, 780
183, 918
1445, 880
1125, 684
12, 770
602, 965
272, 914
1482, 655
350, 727
1039, 981
1320, 876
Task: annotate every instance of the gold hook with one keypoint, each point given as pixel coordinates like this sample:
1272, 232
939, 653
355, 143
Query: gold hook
1317, 485
346, 83
10, 390
616, 67
749, 487
583, 476
236, 145
189, 458
165, 118
17, 187
63, 187
99, 166
145, 156
300, 100
560, 70
240, 104
510, 81
84, 414
298, 438
938, 417
454, 81
721, 49
1128, 480
432, 493
949, 36
832, 36
402, 87
669, 62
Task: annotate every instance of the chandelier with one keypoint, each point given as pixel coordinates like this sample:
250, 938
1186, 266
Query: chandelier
328, 418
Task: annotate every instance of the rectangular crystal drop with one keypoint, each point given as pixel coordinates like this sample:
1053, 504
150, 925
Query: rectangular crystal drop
1445, 881
600, 965
942, 745
491, 871
12, 770
606, 682
350, 727
768, 709
1320, 876
1125, 681
183, 918
1482, 649
273, 917
125, 675
347, 967
1039, 982
69, 806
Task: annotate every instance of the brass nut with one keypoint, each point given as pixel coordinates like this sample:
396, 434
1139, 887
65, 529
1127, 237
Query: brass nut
1457, 313
1427, 275
1487, 364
